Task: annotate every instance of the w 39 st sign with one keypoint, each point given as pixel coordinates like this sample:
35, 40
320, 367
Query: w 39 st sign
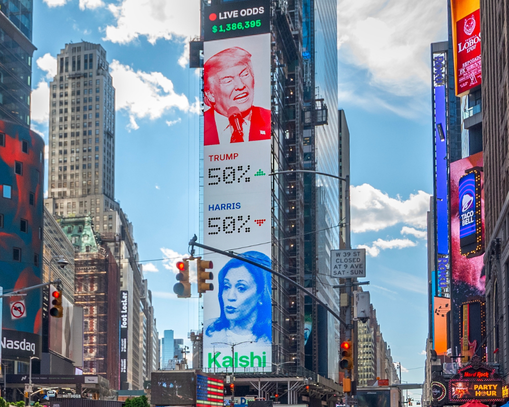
348, 263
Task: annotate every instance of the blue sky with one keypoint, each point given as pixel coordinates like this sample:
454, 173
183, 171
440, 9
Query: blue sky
384, 89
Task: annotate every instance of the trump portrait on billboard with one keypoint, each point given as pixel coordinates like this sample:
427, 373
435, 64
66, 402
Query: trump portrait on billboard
229, 92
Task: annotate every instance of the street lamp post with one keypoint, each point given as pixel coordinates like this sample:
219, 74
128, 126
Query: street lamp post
232, 402
30, 378
348, 281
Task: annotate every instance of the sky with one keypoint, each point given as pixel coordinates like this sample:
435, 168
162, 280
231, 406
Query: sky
384, 88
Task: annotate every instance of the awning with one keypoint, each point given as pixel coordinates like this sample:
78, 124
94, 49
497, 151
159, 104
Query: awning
474, 403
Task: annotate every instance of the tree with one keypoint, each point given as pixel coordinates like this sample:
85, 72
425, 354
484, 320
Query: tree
141, 401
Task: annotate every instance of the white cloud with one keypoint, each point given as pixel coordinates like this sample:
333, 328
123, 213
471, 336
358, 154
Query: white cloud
419, 234
153, 19
405, 281
374, 210
157, 187
391, 39
150, 268
40, 103
90, 4
385, 289
146, 94
172, 122
55, 3
380, 244
48, 64
423, 352
184, 58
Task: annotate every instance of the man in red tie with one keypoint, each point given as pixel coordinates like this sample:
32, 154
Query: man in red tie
229, 92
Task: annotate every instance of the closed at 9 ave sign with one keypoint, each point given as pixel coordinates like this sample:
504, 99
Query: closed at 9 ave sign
348, 263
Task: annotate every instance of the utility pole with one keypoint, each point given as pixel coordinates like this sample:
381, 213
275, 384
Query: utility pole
232, 384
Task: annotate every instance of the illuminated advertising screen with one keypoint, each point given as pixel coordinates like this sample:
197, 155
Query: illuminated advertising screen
234, 20
470, 213
124, 325
466, 23
442, 306
441, 187
462, 390
21, 253
173, 388
209, 391
467, 260
237, 191
481, 383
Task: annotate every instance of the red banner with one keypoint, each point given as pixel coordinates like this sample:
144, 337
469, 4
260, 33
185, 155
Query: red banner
468, 51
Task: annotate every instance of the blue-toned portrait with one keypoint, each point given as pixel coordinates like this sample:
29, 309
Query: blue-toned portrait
244, 297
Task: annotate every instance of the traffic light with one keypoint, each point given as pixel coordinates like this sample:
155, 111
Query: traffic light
204, 275
56, 309
346, 355
183, 287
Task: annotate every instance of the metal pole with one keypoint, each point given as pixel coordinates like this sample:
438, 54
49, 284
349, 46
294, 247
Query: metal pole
29, 380
348, 281
232, 403
193, 243
5, 381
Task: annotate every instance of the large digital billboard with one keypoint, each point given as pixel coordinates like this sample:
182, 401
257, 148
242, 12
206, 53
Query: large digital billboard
237, 186
467, 254
173, 388
21, 253
441, 185
466, 24
124, 326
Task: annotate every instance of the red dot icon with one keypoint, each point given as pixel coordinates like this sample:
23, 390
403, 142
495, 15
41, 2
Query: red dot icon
213, 17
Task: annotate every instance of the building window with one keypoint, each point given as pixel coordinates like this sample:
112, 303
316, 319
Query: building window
6, 191
36, 260
16, 254
1, 221
2, 139
23, 225
24, 146
18, 168
31, 198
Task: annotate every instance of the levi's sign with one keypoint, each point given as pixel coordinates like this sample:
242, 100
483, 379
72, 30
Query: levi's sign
348, 263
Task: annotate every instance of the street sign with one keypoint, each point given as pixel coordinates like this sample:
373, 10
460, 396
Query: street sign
18, 309
348, 263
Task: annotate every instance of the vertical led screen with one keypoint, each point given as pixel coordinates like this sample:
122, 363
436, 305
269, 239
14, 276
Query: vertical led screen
466, 23
441, 175
467, 252
209, 391
124, 326
237, 186
21, 221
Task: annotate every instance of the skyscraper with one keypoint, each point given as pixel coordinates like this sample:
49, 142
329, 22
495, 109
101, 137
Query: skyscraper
81, 182
494, 31
81, 170
16, 60
307, 211
21, 186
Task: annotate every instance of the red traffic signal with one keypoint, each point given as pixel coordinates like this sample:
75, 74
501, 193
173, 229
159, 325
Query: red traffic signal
183, 287
56, 309
346, 361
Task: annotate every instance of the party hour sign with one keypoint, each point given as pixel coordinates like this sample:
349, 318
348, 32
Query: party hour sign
237, 192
